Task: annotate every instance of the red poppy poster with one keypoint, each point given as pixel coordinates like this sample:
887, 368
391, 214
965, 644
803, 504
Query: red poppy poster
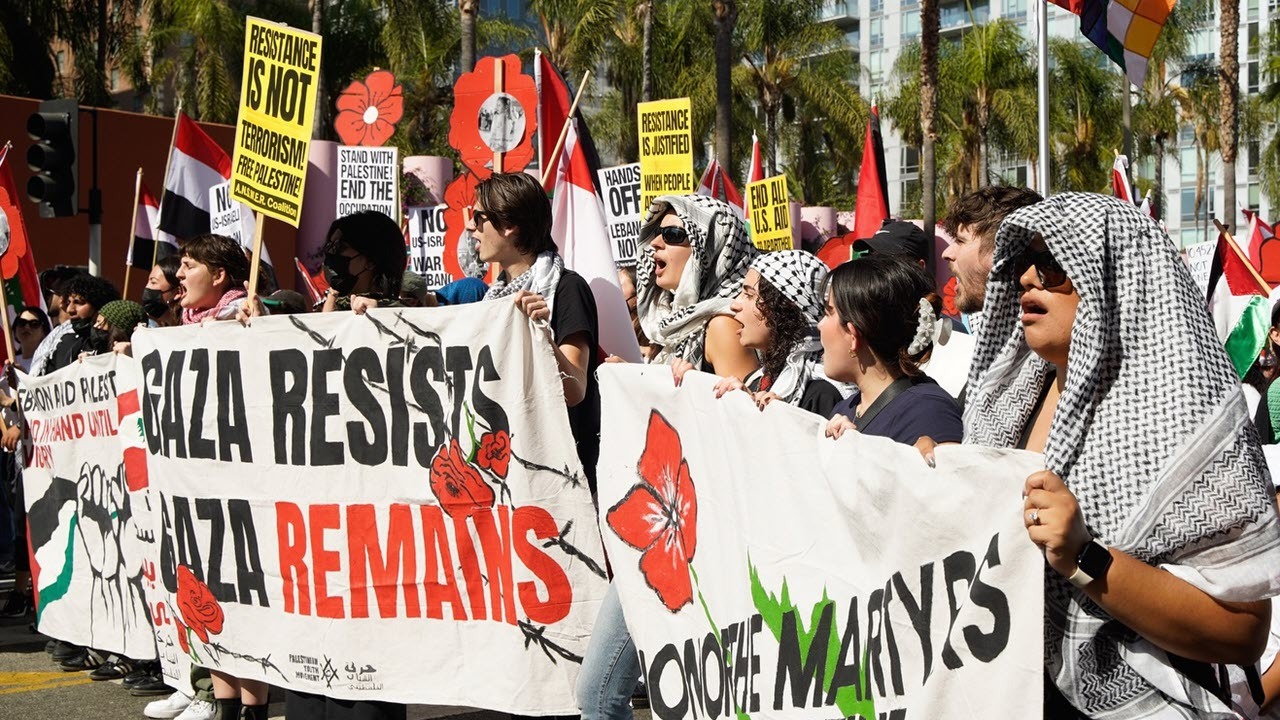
368, 111
494, 117
396, 491
766, 570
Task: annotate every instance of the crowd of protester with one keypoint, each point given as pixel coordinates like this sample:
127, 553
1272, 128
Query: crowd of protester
1155, 511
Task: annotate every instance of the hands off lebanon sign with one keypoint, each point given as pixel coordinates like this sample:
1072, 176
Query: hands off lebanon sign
273, 135
767, 571
386, 506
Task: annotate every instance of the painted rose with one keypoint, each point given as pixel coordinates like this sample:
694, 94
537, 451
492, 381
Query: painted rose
197, 605
456, 484
659, 515
495, 452
182, 636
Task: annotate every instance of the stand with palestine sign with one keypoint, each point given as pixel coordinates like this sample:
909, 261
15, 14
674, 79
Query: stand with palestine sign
273, 134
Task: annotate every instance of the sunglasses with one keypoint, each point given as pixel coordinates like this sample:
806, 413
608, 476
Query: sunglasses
674, 235
24, 322
479, 217
1048, 272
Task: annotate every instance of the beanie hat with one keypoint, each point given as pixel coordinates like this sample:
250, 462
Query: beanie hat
123, 314
413, 285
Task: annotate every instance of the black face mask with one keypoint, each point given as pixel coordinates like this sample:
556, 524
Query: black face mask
337, 272
153, 303
82, 326
99, 340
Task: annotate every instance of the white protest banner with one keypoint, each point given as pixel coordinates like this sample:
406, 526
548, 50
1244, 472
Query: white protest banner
620, 187
87, 508
368, 180
277, 108
383, 506
769, 571
426, 245
1199, 262
224, 214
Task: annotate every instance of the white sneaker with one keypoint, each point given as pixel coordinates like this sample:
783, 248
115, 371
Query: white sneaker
170, 707
198, 710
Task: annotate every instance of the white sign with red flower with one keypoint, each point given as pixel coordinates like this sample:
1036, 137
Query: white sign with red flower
88, 513
373, 507
768, 571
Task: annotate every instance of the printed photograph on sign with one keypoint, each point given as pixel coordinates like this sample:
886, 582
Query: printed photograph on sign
501, 122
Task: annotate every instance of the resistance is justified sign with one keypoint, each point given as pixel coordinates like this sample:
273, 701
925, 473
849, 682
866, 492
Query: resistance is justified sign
666, 149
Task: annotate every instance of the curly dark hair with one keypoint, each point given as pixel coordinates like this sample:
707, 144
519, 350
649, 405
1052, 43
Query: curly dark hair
787, 326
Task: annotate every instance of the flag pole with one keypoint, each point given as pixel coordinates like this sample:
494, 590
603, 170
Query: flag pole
255, 261
1042, 85
546, 171
133, 233
1235, 248
498, 70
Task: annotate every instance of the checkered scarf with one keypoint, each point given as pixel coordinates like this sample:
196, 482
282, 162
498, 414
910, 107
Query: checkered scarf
1150, 434
677, 322
541, 278
798, 275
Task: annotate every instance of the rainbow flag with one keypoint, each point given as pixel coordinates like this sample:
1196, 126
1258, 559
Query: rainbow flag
1126, 30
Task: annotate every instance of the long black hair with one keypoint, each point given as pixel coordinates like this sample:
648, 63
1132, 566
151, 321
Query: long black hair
787, 326
880, 295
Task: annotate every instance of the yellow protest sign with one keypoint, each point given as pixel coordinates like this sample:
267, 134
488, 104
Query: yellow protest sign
770, 214
666, 150
277, 109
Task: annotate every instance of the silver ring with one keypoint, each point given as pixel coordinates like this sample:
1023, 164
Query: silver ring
1035, 516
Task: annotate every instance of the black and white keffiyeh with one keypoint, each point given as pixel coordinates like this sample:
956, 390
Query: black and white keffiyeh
1150, 434
798, 275
541, 278
676, 322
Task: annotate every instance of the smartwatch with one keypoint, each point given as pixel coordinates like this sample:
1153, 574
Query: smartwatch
1091, 564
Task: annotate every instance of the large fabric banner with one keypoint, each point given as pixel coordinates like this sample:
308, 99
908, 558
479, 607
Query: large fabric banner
383, 506
88, 512
768, 571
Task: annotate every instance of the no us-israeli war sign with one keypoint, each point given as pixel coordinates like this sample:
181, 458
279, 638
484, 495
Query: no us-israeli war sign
368, 180
426, 245
620, 187
768, 571
666, 149
770, 214
277, 109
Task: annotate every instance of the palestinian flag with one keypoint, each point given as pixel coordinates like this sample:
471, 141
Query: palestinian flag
149, 245
1238, 304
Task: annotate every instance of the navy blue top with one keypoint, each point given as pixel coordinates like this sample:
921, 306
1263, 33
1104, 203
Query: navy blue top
922, 409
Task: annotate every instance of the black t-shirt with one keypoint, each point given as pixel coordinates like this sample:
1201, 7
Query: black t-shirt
574, 311
924, 409
820, 397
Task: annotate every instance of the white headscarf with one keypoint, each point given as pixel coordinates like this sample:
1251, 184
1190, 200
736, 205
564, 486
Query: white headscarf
1150, 434
676, 322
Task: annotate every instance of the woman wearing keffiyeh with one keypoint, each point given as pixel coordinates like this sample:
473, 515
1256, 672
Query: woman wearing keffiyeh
779, 308
1154, 511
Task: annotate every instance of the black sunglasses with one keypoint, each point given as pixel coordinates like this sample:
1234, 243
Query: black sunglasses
1048, 272
25, 322
674, 235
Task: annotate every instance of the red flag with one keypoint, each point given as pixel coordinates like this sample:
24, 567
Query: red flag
17, 262
1264, 249
1120, 186
755, 173
873, 189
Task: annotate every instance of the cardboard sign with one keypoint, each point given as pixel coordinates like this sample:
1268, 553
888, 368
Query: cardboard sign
620, 187
273, 135
367, 180
666, 149
427, 243
349, 504
770, 214
749, 595
224, 214
1199, 261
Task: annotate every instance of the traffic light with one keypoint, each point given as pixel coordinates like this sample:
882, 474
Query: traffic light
56, 129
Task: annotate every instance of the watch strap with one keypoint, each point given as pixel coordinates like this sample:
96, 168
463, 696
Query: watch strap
1080, 578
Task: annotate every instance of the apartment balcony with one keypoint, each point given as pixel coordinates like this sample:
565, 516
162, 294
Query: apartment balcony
843, 13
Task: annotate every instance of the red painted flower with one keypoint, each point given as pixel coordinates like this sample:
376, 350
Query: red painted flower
456, 484
368, 111
659, 516
182, 636
198, 606
495, 452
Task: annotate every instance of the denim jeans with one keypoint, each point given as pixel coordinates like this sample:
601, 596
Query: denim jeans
611, 668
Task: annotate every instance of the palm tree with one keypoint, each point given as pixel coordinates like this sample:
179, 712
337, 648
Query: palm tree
929, 23
999, 77
1266, 104
198, 43
571, 31
1083, 109
1202, 111
791, 58
468, 11
646, 86
726, 13
1229, 90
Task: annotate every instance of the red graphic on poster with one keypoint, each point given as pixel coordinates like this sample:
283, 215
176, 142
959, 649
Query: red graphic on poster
456, 484
459, 195
199, 608
368, 111
494, 116
495, 452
